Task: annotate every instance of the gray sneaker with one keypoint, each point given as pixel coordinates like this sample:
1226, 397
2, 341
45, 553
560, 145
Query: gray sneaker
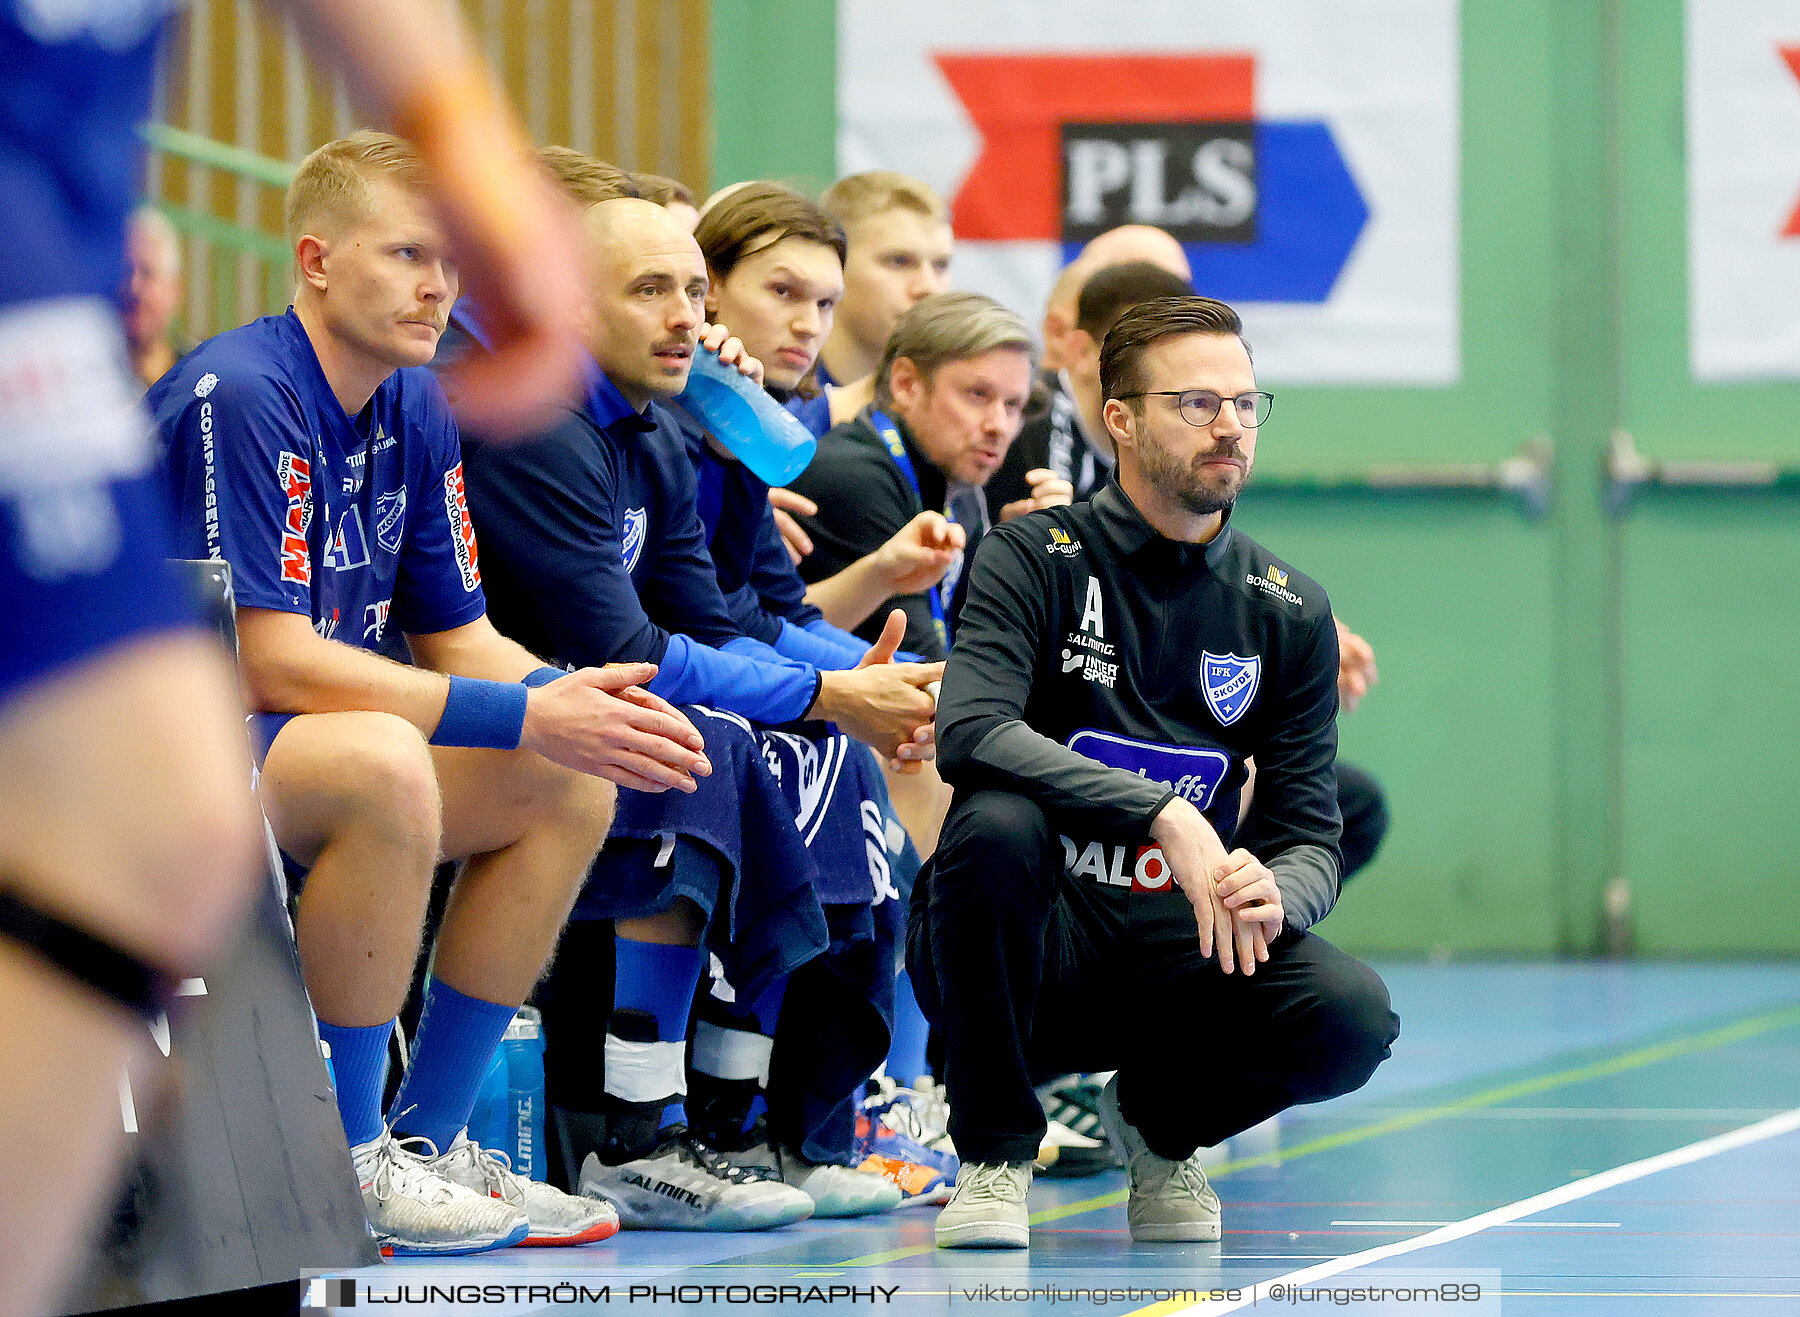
988, 1208
414, 1211
1171, 1202
836, 1191
684, 1185
556, 1218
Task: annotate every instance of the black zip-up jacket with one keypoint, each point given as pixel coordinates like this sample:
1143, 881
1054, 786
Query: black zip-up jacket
863, 501
1101, 669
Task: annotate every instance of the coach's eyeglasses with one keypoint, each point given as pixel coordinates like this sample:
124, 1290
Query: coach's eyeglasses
1199, 406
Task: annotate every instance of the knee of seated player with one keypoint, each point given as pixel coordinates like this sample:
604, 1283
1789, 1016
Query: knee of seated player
494, 799
576, 807
349, 778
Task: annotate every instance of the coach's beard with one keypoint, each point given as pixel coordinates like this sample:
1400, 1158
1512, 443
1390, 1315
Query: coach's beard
1186, 482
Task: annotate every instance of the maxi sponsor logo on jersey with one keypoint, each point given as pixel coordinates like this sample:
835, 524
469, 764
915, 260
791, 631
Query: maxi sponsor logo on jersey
462, 530
1192, 772
294, 473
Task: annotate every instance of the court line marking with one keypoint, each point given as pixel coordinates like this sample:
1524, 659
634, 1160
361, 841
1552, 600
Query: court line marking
1535, 1225
1785, 1123
1636, 1059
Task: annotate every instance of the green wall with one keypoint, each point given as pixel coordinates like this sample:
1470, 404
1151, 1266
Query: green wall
1565, 704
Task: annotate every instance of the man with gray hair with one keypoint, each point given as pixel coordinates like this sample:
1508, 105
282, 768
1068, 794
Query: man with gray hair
950, 394
151, 293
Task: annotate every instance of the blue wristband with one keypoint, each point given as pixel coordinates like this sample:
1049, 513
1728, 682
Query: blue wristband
542, 677
482, 715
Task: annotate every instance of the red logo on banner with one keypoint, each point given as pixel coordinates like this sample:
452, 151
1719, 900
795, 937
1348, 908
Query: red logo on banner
1020, 102
1792, 55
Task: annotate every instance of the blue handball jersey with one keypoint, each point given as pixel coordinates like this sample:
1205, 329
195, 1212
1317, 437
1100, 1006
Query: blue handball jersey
341, 518
75, 81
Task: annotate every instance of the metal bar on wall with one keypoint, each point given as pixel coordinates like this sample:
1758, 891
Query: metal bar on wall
246, 128
1630, 474
625, 83
1527, 477
581, 75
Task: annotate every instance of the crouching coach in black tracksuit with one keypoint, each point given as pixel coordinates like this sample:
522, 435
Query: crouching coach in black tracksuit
1116, 663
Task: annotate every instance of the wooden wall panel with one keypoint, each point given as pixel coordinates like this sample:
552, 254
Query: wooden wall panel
624, 79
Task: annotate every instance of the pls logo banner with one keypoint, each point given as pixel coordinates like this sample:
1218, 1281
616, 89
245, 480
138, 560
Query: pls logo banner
1743, 113
1316, 197
1073, 145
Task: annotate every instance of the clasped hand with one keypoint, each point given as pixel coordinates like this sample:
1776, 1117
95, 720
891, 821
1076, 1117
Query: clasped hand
1237, 905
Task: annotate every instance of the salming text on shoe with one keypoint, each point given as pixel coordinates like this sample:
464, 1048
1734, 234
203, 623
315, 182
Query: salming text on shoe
556, 1219
684, 1185
836, 1191
1170, 1202
415, 1211
988, 1208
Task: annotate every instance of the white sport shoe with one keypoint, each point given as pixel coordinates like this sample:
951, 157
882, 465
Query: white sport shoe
684, 1185
555, 1218
836, 1191
1171, 1202
412, 1210
922, 1112
988, 1208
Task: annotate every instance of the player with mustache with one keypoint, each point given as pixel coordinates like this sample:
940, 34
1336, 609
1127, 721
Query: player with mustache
313, 453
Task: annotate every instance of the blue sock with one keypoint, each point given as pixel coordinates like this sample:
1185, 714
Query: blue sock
765, 1010
452, 1052
359, 1066
659, 981
906, 1053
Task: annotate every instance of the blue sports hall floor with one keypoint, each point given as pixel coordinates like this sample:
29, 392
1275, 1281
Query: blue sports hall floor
1547, 1139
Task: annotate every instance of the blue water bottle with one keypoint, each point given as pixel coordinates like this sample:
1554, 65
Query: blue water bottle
524, 1053
490, 1122
759, 431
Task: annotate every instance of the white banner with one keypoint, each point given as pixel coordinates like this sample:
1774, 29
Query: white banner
1305, 152
1743, 150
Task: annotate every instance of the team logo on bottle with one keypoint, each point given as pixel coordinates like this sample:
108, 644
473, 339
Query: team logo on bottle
1229, 681
295, 476
462, 530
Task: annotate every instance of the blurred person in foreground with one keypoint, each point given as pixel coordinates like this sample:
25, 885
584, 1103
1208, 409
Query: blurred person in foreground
127, 834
